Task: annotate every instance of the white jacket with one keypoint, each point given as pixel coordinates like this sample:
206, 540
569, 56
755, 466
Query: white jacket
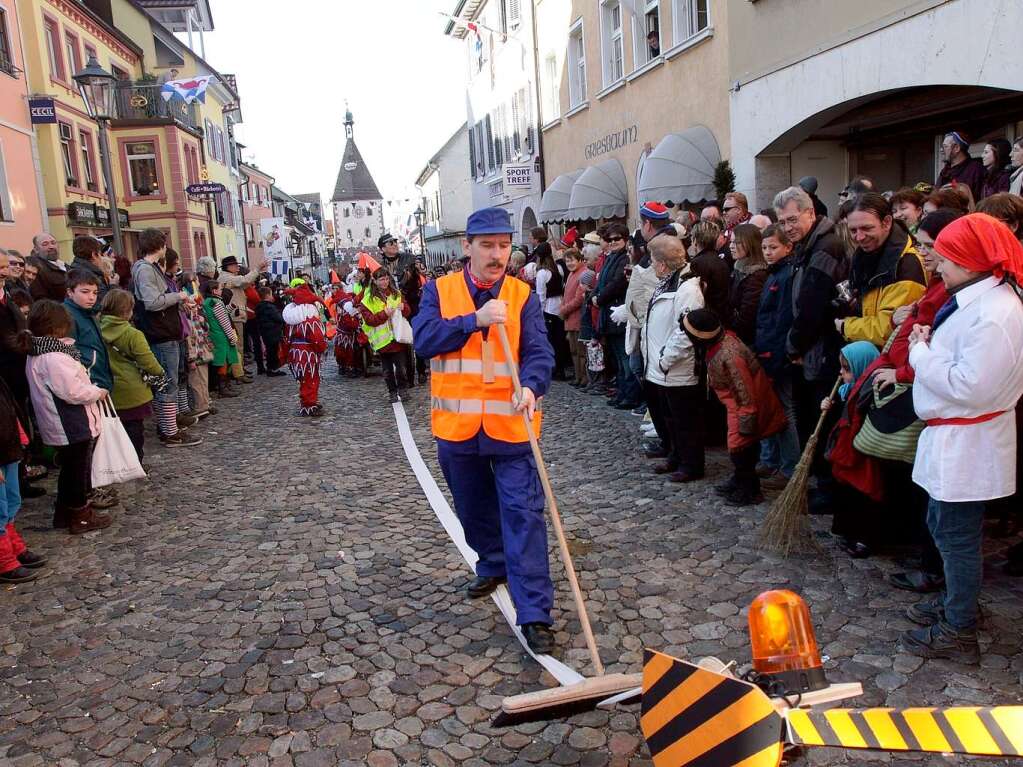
637, 299
973, 366
667, 350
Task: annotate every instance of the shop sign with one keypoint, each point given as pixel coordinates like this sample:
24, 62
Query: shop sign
93, 216
611, 142
42, 111
205, 189
518, 176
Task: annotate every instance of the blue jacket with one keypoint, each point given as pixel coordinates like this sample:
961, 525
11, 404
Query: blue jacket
435, 335
89, 342
774, 318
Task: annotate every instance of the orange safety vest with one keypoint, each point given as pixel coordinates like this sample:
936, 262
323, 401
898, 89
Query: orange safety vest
461, 401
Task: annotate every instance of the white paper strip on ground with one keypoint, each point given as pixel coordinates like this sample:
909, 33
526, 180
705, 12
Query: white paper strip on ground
453, 527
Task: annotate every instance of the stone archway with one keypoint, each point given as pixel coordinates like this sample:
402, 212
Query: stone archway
528, 223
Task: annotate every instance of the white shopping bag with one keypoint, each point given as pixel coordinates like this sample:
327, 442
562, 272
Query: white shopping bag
114, 459
401, 328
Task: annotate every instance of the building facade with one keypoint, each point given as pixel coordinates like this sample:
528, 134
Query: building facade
871, 92
256, 204
358, 204
22, 203
446, 188
502, 119
634, 99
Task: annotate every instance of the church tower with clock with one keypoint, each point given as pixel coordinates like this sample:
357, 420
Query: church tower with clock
358, 205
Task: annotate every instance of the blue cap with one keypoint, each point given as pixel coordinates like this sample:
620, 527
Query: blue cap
489, 221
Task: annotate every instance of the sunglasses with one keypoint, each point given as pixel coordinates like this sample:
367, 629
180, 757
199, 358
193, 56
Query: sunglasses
17, 263
733, 207
616, 239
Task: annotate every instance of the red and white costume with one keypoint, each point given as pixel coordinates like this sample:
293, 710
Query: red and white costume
305, 342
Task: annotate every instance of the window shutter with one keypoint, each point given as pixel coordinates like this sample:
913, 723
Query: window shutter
516, 119
499, 139
514, 14
472, 153
490, 144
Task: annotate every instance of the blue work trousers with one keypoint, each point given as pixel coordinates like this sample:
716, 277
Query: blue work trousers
499, 501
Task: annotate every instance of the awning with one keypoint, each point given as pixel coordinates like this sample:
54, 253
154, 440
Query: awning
681, 168
600, 192
555, 199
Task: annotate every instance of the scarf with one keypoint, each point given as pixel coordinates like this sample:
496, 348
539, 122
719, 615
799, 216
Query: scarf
49, 344
747, 266
982, 243
859, 355
480, 284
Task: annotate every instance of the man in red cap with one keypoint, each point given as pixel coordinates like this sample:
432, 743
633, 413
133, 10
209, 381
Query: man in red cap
969, 377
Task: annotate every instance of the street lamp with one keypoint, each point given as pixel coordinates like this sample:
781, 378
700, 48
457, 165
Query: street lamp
420, 216
96, 87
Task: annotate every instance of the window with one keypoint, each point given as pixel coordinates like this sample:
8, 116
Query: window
88, 164
611, 48
551, 88
90, 51
53, 50
5, 191
514, 14
349, 234
250, 235
119, 73
481, 153
191, 164
491, 148
691, 18
67, 152
576, 65
74, 56
142, 168
218, 207
472, 151
347, 211
647, 43
6, 60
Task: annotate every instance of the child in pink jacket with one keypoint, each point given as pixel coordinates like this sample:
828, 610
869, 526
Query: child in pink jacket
64, 401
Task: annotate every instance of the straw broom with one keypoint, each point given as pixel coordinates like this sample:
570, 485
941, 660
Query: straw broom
786, 527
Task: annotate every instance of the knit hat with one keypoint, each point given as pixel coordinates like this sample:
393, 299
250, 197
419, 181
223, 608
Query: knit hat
701, 325
961, 139
653, 210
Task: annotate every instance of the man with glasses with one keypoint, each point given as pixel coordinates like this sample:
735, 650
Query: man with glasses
819, 264
612, 284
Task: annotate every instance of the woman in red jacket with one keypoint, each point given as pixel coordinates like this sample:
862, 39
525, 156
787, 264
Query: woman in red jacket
571, 312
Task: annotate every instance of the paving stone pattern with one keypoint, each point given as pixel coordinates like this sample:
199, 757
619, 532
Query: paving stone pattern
283, 595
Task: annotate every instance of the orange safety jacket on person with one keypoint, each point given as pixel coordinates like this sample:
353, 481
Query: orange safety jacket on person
461, 400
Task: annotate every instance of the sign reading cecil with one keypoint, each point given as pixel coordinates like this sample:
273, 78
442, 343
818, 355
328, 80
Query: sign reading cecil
42, 111
518, 176
275, 238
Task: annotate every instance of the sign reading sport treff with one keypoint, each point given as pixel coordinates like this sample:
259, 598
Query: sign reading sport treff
518, 176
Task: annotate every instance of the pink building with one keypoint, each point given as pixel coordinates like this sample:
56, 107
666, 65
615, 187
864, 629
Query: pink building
21, 199
256, 205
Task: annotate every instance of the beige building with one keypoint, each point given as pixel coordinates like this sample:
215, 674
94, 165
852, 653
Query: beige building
870, 89
634, 104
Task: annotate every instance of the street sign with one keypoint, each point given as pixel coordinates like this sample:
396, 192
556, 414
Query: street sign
205, 189
518, 176
42, 111
93, 216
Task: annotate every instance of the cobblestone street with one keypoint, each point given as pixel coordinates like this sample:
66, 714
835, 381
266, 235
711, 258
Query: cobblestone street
283, 595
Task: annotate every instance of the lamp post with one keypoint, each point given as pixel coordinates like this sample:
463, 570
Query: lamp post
291, 258
96, 87
420, 216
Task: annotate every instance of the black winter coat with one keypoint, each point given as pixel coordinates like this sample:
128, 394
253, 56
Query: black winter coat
774, 318
10, 438
610, 292
744, 300
12, 362
716, 277
269, 322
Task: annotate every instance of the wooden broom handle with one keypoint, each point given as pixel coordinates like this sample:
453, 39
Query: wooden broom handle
552, 505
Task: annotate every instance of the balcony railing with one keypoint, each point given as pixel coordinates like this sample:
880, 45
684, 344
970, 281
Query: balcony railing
135, 101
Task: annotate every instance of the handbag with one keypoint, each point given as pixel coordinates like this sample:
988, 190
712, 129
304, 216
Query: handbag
114, 459
891, 428
401, 328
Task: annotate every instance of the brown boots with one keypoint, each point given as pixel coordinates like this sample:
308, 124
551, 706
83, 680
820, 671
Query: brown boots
80, 520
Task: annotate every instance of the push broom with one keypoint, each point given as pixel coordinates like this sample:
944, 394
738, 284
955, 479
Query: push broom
584, 695
786, 527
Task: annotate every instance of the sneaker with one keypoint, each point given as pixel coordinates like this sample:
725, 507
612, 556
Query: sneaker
19, 574
942, 641
187, 419
726, 488
181, 439
639, 410
743, 498
31, 560
927, 613
918, 581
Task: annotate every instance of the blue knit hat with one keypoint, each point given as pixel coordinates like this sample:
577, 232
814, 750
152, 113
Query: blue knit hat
653, 210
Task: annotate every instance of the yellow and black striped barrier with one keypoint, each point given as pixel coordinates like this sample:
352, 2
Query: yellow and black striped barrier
983, 731
694, 717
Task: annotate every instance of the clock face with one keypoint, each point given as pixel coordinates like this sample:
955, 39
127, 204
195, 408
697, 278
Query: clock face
350, 166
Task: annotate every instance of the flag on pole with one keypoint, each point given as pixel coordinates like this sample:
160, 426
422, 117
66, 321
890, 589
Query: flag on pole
279, 267
193, 89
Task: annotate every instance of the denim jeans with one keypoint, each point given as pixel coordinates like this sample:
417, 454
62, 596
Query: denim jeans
10, 495
782, 450
168, 354
957, 529
625, 382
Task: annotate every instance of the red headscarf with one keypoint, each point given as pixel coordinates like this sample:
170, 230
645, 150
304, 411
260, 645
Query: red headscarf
982, 243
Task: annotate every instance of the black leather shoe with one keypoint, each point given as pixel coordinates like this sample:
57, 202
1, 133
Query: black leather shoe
482, 585
31, 560
655, 452
918, 581
539, 637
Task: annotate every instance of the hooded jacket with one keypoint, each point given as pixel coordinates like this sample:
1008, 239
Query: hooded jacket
89, 342
129, 350
667, 350
774, 318
886, 280
742, 386
63, 398
818, 265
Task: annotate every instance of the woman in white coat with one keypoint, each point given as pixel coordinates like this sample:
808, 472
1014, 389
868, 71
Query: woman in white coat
671, 361
969, 378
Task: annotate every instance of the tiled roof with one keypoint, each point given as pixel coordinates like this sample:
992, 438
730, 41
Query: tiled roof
354, 181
